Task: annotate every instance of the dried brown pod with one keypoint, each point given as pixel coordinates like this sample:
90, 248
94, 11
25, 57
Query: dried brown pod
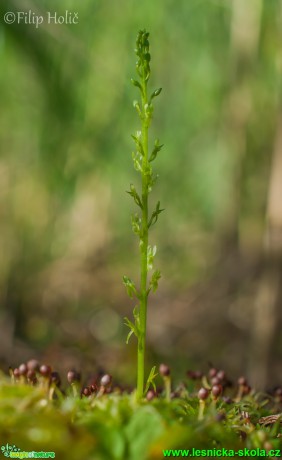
270, 419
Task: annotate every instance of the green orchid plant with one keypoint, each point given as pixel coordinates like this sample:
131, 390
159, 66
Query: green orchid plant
145, 219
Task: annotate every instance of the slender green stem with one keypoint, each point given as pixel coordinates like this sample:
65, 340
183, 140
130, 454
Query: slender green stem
143, 249
142, 160
167, 383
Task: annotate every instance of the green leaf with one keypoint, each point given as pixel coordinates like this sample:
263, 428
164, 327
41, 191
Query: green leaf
156, 150
135, 196
145, 428
128, 336
155, 215
150, 380
133, 329
115, 443
130, 287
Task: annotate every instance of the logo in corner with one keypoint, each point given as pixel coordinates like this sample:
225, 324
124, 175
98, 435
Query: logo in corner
7, 449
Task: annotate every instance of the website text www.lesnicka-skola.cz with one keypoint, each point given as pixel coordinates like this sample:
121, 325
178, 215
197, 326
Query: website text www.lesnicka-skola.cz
274, 453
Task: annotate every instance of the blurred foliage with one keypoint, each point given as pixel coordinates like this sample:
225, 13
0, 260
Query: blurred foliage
65, 164
115, 427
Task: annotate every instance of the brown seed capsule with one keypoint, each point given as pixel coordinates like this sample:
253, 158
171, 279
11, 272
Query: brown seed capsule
45, 370
216, 390
212, 372
23, 369
164, 370
33, 365
73, 376
221, 375
150, 395
86, 391
215, 381
203, 393
16, 372
242, 381
106, 380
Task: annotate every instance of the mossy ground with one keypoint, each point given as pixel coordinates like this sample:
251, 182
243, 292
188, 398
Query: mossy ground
113, 426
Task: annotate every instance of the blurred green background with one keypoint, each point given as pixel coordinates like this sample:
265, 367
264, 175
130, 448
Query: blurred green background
65, 236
